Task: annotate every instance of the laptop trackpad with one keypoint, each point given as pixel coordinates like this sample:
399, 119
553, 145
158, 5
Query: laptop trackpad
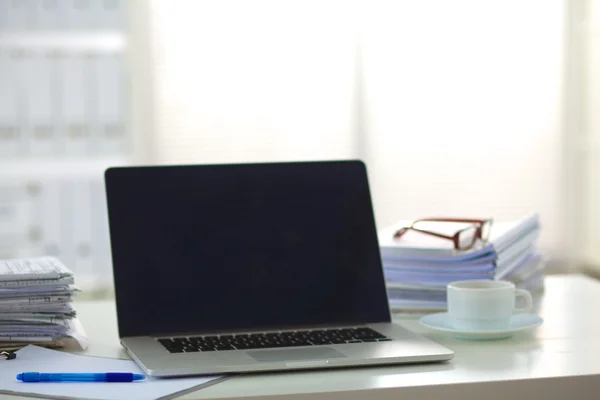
295, 354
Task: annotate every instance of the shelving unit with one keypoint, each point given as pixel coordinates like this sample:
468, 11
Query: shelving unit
63, 120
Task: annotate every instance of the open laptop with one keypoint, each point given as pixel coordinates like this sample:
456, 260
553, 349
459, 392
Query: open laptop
252, 267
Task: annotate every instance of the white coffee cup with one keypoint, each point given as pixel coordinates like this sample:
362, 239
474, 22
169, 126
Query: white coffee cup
484, 304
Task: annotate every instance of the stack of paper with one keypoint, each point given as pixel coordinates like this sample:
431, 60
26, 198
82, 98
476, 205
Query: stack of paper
418, 267
36, 304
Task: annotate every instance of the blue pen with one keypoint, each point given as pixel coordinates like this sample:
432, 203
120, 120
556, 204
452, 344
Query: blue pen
80, 377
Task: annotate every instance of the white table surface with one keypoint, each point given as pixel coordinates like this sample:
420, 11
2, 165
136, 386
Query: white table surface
560, 359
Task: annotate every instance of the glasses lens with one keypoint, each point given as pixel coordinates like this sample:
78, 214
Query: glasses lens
466, 237
486, 228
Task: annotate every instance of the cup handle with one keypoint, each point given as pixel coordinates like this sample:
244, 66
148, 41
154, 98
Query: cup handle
528, 301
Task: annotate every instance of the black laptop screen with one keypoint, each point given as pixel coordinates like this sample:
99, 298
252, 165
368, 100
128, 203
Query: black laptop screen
243, 247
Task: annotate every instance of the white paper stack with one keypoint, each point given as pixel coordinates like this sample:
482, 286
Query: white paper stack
36, 304
418, 267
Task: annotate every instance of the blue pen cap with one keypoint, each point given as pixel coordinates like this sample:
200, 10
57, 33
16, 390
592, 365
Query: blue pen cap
29, 377
123, 377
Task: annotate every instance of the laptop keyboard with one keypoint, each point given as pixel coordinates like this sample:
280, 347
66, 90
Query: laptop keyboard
271, 340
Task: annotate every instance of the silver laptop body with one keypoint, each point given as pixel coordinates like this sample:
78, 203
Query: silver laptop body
252, 267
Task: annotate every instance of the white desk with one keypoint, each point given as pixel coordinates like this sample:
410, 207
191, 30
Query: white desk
561, 359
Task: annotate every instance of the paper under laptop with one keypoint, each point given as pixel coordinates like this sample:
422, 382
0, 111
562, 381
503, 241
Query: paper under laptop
38, 359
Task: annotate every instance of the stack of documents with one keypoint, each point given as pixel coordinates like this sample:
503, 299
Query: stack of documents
36, 304
418, 267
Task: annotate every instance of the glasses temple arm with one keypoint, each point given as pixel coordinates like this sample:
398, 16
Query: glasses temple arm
433, 219
402, 231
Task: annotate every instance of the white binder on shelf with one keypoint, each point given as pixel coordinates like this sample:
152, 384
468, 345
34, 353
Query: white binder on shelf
19, 15
81, 222
4, 8
74, 105
9, 215
110, 15
65, 216
10, 124
78, 14
110, 104
16, 210
100, 236
51, 219
48, 15
42, 129
33, 195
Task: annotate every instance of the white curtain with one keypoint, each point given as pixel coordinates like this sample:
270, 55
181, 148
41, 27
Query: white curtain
455, 106
588, 24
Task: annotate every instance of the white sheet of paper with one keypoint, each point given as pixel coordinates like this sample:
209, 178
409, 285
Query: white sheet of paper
39, 359
32, 268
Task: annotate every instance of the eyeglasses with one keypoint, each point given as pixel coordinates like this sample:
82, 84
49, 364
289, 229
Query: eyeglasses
463, 239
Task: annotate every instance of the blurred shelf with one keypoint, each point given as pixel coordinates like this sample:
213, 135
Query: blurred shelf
51, 166
70, 41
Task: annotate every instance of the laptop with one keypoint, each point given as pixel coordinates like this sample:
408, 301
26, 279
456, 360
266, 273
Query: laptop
252, 267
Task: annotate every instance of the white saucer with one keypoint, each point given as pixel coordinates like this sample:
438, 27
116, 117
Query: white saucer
518, 322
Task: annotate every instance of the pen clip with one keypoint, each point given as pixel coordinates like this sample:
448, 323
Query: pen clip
7, 355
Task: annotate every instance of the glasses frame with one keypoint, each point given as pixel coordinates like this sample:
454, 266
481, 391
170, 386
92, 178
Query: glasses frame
479, 225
